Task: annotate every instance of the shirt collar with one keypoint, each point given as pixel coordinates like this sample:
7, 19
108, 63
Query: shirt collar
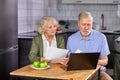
44, 38
91, 37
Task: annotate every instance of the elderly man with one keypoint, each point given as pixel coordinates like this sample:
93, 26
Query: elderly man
89, 40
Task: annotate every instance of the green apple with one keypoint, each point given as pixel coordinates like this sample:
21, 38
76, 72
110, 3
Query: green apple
36, 64
43, 64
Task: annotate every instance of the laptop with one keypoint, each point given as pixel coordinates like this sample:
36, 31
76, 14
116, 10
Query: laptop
82, 61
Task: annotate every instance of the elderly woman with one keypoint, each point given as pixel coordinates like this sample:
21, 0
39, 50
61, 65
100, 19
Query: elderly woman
47, 37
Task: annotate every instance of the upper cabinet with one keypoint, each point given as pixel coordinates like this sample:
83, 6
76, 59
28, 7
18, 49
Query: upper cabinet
79, 1
91, 1
108, 1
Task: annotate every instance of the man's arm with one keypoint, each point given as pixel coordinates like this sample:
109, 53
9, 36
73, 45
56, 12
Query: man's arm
103, 60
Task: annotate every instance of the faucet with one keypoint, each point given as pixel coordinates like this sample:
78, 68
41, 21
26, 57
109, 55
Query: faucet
103, 26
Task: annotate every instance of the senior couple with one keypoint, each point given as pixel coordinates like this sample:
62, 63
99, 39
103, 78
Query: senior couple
86, 40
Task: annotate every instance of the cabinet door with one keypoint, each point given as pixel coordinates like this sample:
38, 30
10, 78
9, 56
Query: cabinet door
24, 49
79, 1
108, 1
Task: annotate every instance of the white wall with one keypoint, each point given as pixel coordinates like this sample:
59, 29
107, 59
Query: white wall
30, 12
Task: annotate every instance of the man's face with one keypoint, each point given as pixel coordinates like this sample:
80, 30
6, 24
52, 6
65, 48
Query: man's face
85, 26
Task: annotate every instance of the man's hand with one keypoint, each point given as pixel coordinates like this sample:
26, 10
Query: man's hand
103, 61
64, 61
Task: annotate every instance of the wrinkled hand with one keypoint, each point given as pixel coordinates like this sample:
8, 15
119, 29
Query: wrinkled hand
64, 61
101, 63
44, 59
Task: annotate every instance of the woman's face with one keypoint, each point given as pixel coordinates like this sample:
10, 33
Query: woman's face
85, 26
50, 29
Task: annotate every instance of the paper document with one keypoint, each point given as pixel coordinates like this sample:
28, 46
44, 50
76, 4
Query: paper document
55, 54
78, 51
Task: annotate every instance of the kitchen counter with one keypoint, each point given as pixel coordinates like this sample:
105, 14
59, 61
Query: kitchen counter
64, 31
68, 27
110, 32
28, 35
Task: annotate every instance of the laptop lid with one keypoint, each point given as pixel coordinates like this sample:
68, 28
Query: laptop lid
83, 61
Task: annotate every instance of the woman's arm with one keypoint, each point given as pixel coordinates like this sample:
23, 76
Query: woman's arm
33, 55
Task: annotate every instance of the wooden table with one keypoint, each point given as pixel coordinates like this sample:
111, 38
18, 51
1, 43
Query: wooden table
54, 72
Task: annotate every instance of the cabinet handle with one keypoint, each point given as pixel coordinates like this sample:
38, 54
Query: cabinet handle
79, 1
115, 1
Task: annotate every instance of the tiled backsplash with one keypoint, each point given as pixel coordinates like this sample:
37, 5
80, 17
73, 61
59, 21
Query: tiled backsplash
30, 12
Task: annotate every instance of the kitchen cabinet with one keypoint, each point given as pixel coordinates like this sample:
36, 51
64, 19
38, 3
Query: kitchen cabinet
118, 10
111, 42
91, 1
108, 1
24, 45
79, 1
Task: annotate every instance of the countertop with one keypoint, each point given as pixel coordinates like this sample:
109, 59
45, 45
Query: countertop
69, 27
30, 35
110, 32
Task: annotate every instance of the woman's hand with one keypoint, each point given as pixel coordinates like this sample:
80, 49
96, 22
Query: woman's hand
44, 59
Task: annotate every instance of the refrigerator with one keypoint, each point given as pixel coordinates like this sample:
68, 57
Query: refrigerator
8, 38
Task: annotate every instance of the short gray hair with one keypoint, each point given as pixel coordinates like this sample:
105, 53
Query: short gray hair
85, 15
43, 23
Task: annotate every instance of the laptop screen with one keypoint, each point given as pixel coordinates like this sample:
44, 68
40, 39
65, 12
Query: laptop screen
82, 61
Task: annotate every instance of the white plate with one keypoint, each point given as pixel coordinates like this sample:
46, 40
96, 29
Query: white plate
39, 68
